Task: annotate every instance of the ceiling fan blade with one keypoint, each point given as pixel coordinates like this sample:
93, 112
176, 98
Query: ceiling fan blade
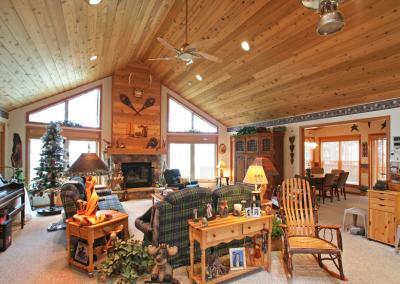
162, 58
208, 56
201, 43
167, 45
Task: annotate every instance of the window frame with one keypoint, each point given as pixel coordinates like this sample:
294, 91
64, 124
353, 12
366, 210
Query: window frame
37, 131
169, 97
340, 139
192, 157
66, 99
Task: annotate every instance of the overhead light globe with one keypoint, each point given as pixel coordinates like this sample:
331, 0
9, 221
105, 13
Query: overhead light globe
331, 20
198, 77
245, 45
94, 2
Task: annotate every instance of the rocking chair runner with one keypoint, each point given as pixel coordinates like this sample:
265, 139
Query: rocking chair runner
301, 234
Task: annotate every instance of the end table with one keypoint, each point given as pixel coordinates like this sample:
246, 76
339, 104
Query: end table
90, 233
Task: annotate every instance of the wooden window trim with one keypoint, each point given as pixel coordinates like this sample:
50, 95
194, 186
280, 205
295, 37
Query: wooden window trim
372, 137
66, 99
185, 105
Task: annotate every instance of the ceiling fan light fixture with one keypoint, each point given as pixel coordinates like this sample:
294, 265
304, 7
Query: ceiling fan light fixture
245, 46
331, 20
311, 4
198, 77
94, 2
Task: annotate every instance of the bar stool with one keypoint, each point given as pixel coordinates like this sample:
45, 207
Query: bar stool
355, 212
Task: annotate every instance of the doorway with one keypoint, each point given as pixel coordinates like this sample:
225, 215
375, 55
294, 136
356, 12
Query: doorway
378, 155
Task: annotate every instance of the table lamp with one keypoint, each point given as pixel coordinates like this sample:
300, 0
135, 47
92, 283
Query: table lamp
255, 175
89, 165
221, 165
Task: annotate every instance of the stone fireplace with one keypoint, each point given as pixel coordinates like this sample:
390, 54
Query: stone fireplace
139, 170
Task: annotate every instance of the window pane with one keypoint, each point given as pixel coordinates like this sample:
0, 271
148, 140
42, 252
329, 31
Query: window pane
330, 156
53, 113
85, 109
308, 156
35, 148
204, 161
179, 118
77, 147
179, 158
350, 160
200, 125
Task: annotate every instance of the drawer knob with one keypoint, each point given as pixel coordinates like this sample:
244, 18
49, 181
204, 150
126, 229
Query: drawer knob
233, 231
214, 235
249, 227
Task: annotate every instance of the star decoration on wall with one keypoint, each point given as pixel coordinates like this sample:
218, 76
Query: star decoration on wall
354, 127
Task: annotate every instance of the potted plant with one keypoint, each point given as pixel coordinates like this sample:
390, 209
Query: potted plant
363, 189
276, 234
126, 262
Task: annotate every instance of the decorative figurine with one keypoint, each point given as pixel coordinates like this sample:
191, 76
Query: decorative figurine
162, 270
195, 216
204, 222
223, 209
237, 210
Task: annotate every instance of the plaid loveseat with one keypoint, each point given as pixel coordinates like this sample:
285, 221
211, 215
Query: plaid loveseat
166, 221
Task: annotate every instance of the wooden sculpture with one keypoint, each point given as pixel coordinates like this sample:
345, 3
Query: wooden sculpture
162, 270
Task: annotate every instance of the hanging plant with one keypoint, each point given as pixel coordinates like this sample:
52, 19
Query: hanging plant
247, 130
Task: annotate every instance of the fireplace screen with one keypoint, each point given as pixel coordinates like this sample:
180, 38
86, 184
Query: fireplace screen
137, 174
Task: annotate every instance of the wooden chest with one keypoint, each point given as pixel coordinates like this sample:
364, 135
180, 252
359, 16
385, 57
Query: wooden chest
384, 215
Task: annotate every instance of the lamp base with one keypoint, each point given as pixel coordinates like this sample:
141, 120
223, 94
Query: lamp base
49, 211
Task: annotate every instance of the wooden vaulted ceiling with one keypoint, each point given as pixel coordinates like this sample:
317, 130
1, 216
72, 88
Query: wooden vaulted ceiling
45, 47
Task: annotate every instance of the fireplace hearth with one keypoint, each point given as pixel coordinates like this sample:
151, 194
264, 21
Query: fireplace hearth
137, 174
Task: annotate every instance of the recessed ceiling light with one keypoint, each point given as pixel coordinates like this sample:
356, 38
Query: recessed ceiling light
198, 77
245, 45
93, 58
94, 2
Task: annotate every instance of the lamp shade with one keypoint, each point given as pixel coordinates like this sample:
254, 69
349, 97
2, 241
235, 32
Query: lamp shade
88, 164
255, 173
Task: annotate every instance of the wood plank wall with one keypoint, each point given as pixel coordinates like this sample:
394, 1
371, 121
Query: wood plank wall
126, 121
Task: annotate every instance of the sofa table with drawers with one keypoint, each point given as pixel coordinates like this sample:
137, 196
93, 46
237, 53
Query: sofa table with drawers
224, 230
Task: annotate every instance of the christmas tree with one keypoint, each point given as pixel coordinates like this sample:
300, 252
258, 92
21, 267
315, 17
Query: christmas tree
51, 166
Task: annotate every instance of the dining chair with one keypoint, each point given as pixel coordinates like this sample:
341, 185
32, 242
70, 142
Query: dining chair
317, 171
329, 182
337, 171
340, 186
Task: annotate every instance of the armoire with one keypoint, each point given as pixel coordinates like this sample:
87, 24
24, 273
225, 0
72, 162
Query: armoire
268, 146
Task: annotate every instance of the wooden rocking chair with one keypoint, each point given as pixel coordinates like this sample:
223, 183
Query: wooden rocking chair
301, 234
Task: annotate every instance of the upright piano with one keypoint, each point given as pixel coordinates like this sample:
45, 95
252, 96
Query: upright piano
9, 193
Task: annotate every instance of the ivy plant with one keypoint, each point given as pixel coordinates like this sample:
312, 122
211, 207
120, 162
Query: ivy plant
126, 262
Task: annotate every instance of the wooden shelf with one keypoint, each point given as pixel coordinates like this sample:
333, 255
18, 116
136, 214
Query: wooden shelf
127, 151
230, 275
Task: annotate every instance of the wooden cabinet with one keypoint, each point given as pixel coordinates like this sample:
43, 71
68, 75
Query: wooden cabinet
266, 145
384, 215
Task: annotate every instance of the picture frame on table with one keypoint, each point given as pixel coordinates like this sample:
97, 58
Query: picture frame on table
248, 212
81, 253
256, 212
237, 258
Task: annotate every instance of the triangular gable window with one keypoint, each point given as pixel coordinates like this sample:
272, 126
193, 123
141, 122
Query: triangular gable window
80, 110
182, 119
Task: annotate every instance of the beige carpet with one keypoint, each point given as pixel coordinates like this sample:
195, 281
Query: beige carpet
37, 256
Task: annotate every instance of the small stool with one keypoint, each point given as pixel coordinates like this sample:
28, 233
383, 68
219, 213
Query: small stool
356, 212
397, 241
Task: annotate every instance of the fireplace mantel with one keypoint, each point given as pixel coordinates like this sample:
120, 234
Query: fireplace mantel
126, 151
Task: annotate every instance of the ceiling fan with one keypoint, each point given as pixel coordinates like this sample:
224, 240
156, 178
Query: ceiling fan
189, 51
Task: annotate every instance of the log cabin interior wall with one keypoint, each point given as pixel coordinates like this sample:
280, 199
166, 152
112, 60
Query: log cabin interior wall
46, 45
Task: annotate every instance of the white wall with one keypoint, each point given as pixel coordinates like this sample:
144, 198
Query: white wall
17, 118
294, 129
223, 137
